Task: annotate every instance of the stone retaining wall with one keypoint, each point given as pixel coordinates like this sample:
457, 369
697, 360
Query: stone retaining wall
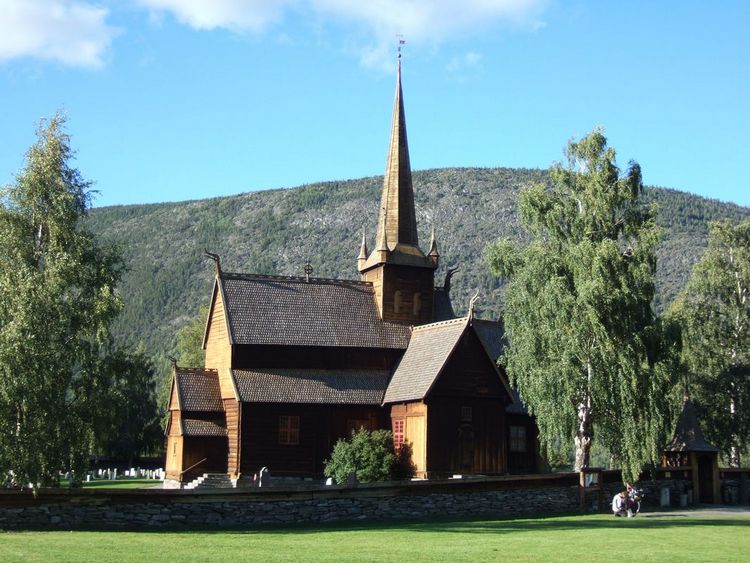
127, 509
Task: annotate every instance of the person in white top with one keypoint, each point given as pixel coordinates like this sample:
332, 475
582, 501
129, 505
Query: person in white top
619, 504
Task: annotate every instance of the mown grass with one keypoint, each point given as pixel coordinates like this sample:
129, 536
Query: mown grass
122, 483
579, 538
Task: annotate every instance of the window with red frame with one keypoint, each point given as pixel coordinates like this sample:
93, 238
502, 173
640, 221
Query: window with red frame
288, 430
398, 433
518, 438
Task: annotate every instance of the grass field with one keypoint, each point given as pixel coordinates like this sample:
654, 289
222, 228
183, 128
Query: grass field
122, 483
580, 538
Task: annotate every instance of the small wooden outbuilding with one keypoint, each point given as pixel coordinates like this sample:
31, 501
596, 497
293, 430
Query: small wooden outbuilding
689, 450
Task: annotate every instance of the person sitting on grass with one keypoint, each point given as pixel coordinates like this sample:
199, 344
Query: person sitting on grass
619, 504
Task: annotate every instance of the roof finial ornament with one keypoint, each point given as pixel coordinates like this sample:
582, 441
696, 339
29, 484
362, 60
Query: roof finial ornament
174, 362
308, 271
472, 302
363, 246
216, 259
448, 275
401, 43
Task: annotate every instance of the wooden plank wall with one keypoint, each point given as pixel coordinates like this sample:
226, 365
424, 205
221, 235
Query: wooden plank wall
218, 348
320, 427
415, 432
233, 413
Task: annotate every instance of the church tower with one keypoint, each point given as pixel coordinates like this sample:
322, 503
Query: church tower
401, 274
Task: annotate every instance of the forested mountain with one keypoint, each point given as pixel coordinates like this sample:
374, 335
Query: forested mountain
278, 231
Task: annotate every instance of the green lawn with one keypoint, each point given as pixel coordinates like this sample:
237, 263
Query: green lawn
121, 483
579, 538
124, 483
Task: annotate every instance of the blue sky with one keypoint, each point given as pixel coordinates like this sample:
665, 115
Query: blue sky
183, 99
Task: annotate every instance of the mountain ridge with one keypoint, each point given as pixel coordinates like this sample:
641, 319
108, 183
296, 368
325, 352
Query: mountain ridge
276, 231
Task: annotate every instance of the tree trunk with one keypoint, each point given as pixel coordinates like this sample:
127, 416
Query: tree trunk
583, 432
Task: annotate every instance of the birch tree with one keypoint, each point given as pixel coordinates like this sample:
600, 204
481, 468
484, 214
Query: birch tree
714, 311
57, 299
586, 351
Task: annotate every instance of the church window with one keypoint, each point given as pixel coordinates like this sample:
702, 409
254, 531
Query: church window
398, 433
417, 304
397, 302
518, 438
288, 430
466, 414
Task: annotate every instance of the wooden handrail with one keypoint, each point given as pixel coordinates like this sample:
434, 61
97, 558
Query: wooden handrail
192, 467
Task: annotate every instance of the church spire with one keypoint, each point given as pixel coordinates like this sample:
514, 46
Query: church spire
396, 240
362, 258
397, 223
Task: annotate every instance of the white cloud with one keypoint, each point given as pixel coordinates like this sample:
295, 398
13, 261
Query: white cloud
237, 15
375, 22
72, 32
466, 60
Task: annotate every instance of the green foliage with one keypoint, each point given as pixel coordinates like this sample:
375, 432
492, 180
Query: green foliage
714, 311
190, 341
128, 422
57, 300
370, 455
586, 351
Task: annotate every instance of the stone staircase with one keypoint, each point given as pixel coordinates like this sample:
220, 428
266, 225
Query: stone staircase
211, 481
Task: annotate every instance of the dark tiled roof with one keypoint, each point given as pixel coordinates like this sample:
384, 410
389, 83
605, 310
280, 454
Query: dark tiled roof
290, 311
492, 335
430, 347
688, 437
198, 390
192, 427
353, 387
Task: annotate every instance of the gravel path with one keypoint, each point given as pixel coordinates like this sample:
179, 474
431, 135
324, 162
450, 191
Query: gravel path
705, 510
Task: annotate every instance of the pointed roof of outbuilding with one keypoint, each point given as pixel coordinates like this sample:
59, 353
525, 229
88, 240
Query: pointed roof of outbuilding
688, 436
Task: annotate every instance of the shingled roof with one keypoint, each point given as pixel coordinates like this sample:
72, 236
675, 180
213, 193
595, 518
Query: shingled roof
688, 436
324, 386
193, 427
198, 390
291, 311
430, 347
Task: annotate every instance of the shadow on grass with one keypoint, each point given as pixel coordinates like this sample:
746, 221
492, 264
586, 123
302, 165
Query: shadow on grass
484, 526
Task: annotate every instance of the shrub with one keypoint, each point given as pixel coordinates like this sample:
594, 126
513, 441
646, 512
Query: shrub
370, 455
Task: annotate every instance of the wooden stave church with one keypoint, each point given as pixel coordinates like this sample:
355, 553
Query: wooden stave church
292, 364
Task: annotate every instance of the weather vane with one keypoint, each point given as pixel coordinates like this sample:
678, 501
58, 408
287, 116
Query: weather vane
401, 43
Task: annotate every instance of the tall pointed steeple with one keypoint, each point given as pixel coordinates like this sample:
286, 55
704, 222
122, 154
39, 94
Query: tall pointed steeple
397, 223
401, 275
396, 240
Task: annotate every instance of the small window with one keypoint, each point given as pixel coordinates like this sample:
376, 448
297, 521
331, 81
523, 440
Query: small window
518, 438
417, 304
397, 302
288, 430
398, 433
466, 414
